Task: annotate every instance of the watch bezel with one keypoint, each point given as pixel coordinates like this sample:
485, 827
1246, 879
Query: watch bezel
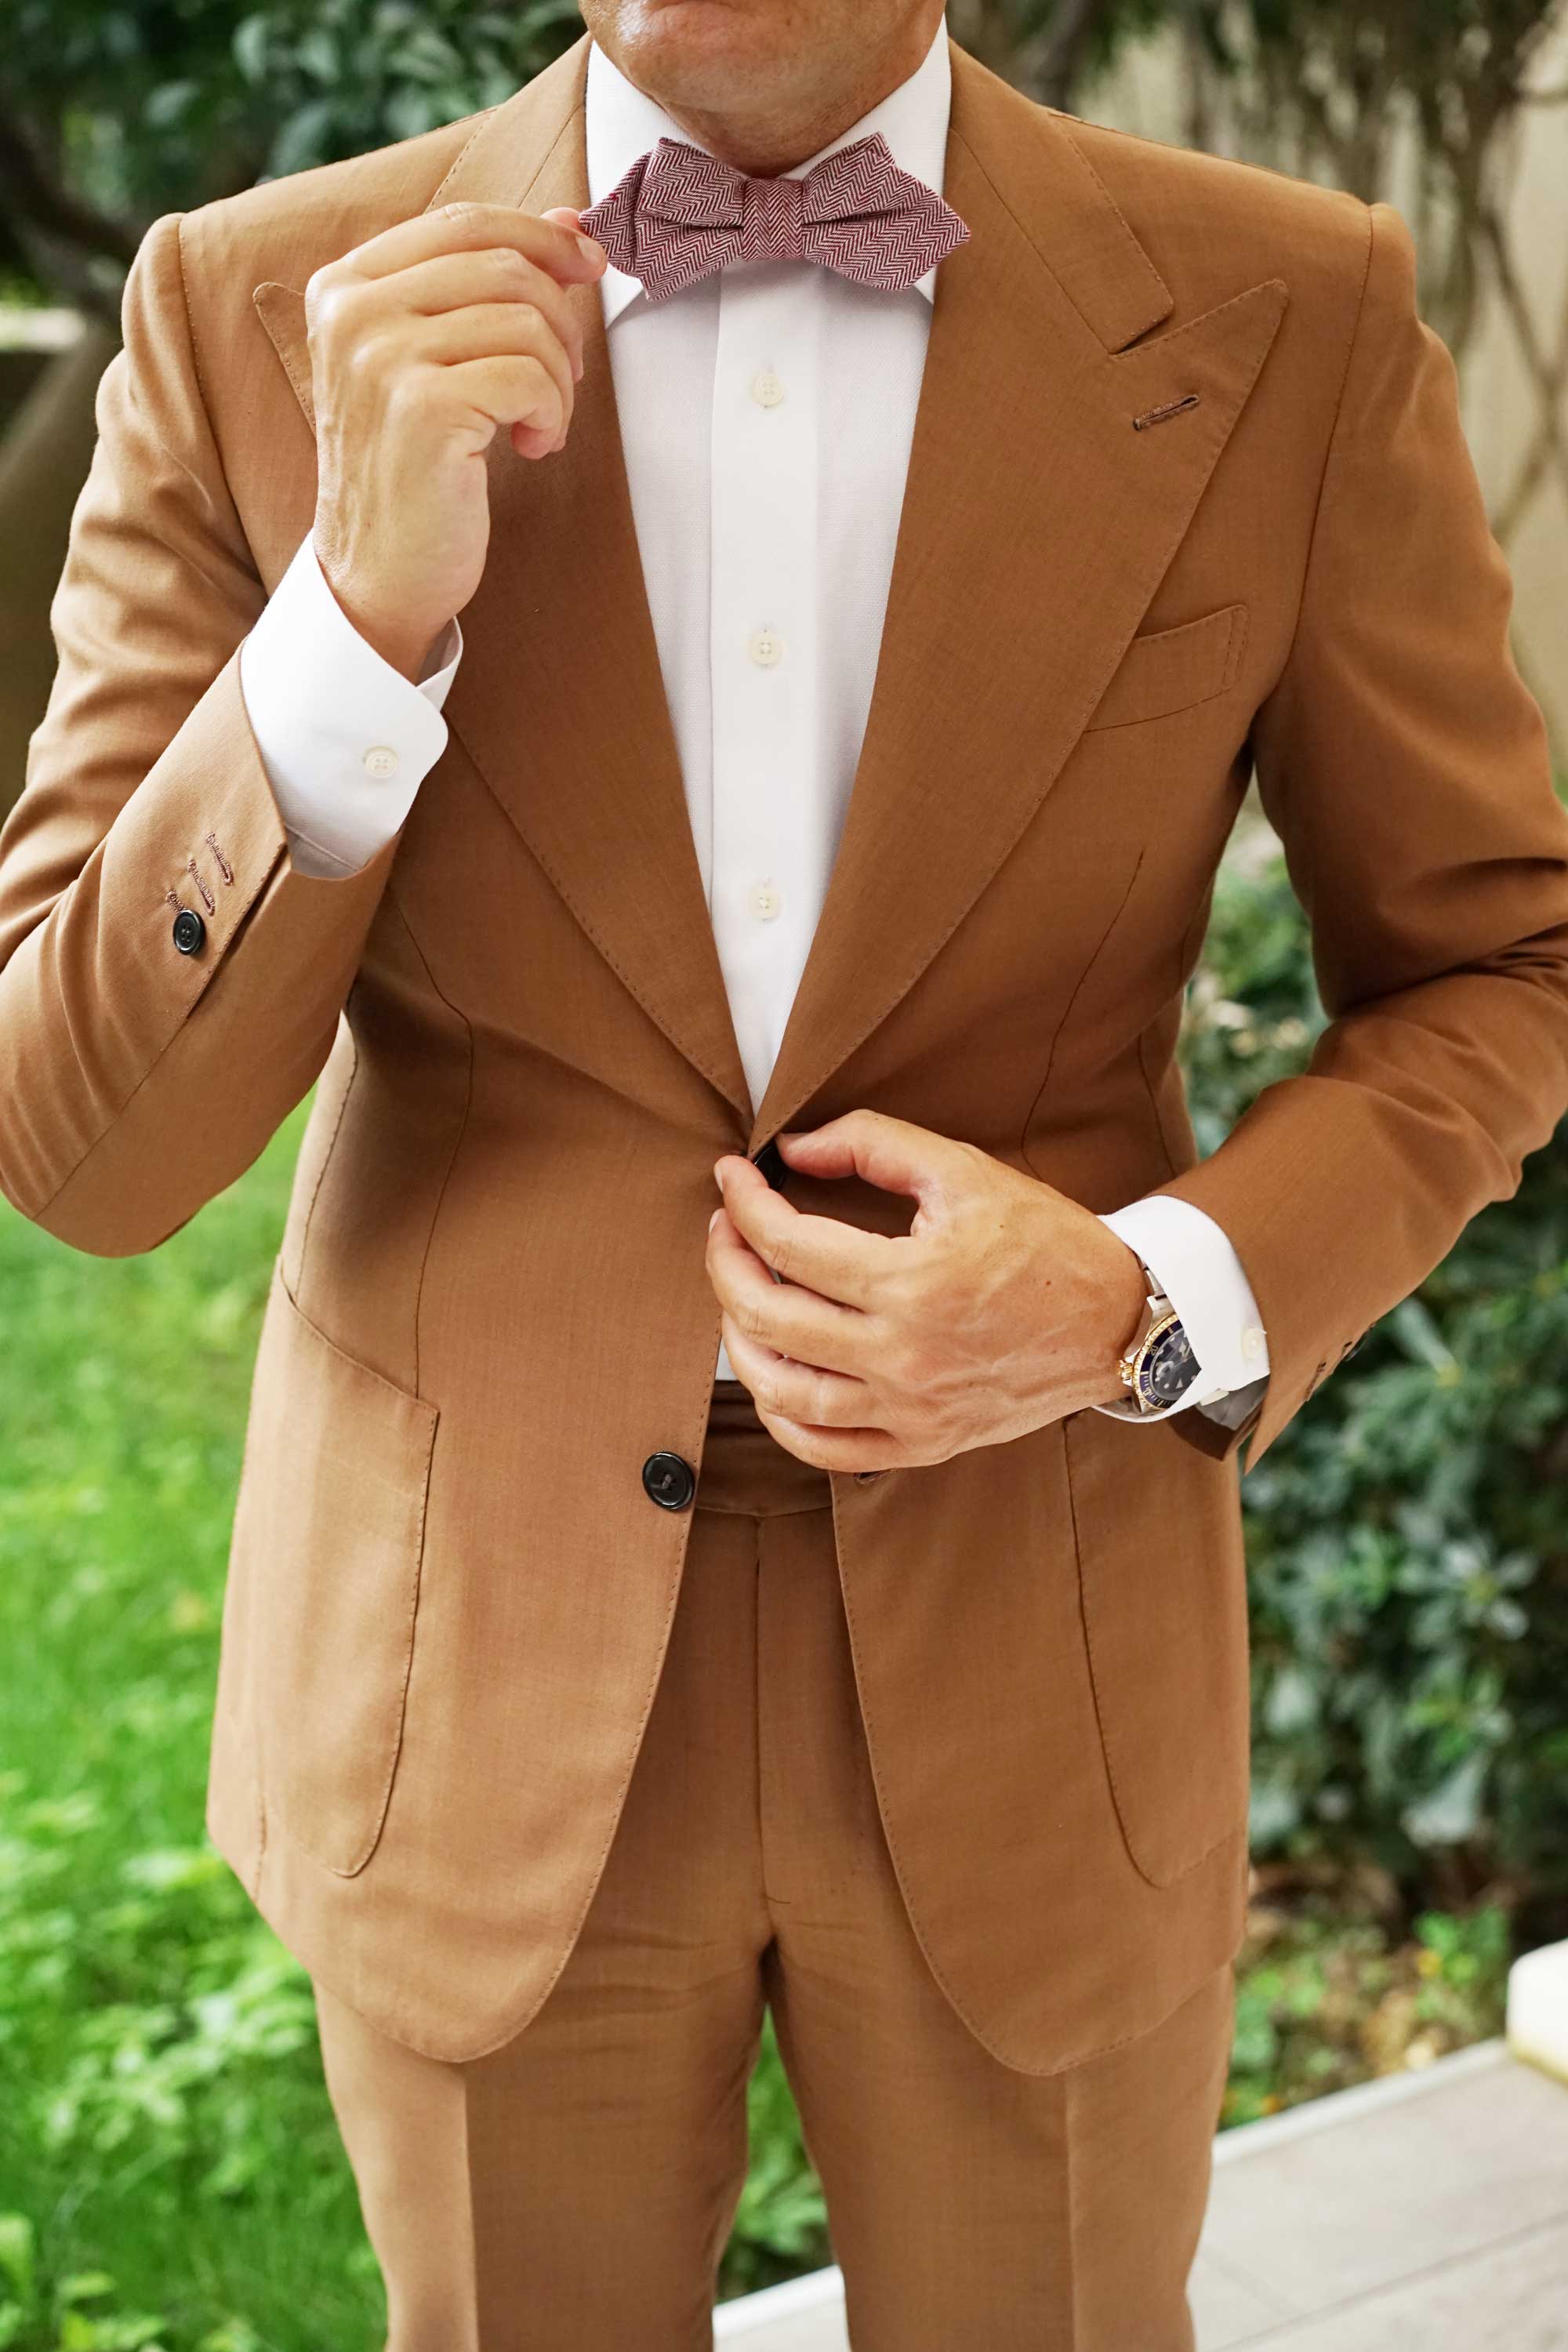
1151, 1345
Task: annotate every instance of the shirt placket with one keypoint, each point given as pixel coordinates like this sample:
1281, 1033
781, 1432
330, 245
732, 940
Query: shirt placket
764, 644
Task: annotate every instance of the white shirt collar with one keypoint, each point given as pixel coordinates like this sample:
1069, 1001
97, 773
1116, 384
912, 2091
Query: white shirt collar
622, 123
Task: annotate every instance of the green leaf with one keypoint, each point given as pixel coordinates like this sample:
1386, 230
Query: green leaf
17, 2253
1414, 1327
250, 46
1450, 1812
85, 2286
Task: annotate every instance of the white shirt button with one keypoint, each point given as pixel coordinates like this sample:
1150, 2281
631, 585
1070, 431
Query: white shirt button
767, 391
381, 759
766, 648
765, 901
1252, 1340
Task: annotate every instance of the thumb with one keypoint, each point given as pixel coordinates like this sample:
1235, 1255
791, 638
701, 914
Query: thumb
569, 217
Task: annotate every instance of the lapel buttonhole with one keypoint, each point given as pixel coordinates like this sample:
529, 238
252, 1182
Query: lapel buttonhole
1171, 408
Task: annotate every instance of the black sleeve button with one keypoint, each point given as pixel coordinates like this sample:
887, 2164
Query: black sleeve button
189, 931
670, 1480
771, 1160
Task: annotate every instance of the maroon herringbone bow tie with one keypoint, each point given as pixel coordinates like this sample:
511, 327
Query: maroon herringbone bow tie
678, 215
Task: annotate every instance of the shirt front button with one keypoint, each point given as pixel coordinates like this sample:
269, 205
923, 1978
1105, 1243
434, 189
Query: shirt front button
766, 648
381, 759
1252, 1340
766, 389
766, 902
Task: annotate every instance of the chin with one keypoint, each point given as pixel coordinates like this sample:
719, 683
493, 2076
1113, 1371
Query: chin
698, 49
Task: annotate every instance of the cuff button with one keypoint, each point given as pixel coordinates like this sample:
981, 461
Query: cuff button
189, 931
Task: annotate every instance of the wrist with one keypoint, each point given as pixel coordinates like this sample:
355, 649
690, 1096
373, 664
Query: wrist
1129, 1301
405, 650
1125, 1314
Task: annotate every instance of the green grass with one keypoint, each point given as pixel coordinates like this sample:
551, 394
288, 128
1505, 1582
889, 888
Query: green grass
170, 2172
163, 2119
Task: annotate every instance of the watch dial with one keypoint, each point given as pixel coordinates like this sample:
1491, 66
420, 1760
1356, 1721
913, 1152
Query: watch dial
1172, 1368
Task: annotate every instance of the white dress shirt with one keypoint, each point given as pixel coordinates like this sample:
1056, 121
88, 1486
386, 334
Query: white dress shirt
766, 416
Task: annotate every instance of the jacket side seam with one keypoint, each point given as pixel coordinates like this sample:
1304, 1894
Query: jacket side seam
327, 1157
458, 1014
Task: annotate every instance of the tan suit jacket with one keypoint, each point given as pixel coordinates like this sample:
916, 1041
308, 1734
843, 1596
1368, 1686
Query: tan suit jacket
450, 1592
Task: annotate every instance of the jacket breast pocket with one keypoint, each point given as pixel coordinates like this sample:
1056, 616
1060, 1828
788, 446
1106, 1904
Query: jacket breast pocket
329, 1538
1167, 670
1162, 1581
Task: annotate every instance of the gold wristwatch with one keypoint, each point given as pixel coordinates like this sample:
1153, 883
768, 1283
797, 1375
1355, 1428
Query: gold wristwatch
1159, 1365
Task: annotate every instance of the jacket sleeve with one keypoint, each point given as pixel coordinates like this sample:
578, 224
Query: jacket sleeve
1406, 768
136, 1080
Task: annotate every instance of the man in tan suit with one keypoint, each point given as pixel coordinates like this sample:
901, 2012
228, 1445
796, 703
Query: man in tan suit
574, 1704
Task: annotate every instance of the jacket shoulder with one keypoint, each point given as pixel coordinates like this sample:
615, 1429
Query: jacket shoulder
285, 230
1212, 224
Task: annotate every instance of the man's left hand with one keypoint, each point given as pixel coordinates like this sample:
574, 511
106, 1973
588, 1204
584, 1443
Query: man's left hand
1004, 1307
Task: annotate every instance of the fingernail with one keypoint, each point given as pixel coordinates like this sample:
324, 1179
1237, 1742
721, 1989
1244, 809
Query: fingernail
718, 1171
714, 1218
576, 370
595, 251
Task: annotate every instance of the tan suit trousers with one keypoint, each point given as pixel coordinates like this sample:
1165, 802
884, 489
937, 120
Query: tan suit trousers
573, 2191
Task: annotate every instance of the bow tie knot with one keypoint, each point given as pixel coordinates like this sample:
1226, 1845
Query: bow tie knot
678, 215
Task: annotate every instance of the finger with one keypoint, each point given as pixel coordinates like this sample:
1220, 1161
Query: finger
804, 1391
496, 273
566, 254
834, 1449
779, 1315
821, 1252
494, 331
515, 390
891, 1152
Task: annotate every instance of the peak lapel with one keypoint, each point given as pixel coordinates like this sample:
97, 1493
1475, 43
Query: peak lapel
1029, 494
559, 699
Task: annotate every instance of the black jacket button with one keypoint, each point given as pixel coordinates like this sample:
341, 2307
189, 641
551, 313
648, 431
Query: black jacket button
669, 1479
771, 1160
189, 931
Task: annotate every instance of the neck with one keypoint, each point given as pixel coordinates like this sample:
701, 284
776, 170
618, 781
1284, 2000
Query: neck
764, 138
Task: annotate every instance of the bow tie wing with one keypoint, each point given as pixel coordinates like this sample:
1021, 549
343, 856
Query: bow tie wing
872, 222
678, 215
674, 216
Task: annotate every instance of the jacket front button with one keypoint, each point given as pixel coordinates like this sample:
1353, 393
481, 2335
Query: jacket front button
669, 1479
771, 1160
189, 931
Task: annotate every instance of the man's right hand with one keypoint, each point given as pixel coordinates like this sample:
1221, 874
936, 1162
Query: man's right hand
424, 340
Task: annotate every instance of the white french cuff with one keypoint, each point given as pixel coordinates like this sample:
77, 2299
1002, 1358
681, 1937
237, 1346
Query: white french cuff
1195, 1263
346, 741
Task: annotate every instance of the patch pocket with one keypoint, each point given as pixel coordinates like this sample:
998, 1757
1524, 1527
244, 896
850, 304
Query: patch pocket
329, 1540
1163, 1579
1171, 670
